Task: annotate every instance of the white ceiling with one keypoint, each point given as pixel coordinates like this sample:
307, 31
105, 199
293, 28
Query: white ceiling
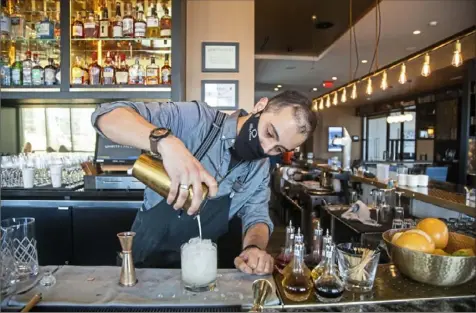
398, 21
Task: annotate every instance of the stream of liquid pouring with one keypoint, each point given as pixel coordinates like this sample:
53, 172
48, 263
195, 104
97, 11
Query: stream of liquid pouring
199, 226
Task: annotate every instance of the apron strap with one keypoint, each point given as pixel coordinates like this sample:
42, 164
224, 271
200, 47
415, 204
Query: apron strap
211, 136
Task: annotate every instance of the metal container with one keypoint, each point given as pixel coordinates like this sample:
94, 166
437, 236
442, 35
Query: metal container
150, 171
437, 270
326, 180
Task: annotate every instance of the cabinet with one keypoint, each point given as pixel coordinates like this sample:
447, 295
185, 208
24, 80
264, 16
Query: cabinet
52, 230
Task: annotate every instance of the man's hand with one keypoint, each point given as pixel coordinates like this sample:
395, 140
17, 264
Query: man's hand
183, 168
255, 261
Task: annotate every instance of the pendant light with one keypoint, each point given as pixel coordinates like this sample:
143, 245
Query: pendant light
343, 98
402, 79
321, 104
369, 90
328, 101
353, 94
335, 100
384, 82
457, 56
425, 70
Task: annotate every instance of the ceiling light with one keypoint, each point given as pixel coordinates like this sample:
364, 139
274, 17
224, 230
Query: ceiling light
279, 86
276, 89
402, 79
457, 56
343, 98
369, 90
314, 17
334, 78
417, 32
314, 89
364, 61
321, 104
353, 94
335, 100
368, 98
328, 102
433, 23
425, 70
314, 105
384, 83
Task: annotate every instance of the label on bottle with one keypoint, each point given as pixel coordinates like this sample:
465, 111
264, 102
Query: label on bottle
121, 78
140, 29
165, 33
152, 21
163, 44
152, 72
165, 76
90, 25
37, 77
77, 31
50, 77
5, 75
18, 26
44, 30
291, 236
117, 31
94, 76
128, 27
104, 29
16, 76
5, 24
27, 76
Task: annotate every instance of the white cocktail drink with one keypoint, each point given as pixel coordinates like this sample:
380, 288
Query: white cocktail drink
199, 264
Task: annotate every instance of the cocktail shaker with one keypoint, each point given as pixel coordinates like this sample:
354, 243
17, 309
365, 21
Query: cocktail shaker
150, 171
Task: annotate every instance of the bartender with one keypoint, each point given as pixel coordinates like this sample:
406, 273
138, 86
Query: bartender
229, 153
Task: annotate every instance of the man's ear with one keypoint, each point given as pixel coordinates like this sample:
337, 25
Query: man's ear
260, 105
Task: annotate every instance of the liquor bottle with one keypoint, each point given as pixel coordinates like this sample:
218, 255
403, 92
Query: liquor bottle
46, 28
109, 71
152, 73
128, 22
51, 73
91, 28
117, 24
329, 287
77, 77
285, 256
296, 284
27, 66
57, 22
77, 29
17, 72
166, 25
5, 21
153, 30
5, 72
140, 26
94, 70
122, 71
17, 22
166, 72
104, 24
37, 72
314, 258
136, 74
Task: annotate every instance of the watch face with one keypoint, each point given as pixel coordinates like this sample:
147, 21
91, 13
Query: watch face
160, 132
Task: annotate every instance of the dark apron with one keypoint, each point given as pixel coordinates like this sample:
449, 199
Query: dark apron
160, 232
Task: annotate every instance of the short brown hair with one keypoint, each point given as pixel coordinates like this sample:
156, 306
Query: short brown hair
305, 117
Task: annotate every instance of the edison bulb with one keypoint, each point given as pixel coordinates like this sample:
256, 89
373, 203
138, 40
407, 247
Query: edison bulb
353, 94
384, 83
314, 105
369, 90
335, 100
321, 104
425, 70
328, 102
402, 79
343, 98
457, 56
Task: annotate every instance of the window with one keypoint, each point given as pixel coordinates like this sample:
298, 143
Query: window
67, 128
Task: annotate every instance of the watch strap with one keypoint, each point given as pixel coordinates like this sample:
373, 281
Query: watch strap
249, 247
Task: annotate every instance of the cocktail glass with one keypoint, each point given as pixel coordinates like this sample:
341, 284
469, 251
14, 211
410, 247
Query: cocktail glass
199, 265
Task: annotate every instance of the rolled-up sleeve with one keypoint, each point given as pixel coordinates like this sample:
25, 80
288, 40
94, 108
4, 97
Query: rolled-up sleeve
256, 209
179, 117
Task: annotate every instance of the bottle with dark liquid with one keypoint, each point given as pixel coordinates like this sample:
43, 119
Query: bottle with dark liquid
287, 252
329, 287
319, 268
296, 284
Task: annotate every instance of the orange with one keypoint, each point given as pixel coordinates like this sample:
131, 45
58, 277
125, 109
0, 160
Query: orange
440, 252
436, 229
415, 241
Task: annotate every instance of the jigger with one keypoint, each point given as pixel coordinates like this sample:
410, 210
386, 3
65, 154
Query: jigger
128, 272
262, 288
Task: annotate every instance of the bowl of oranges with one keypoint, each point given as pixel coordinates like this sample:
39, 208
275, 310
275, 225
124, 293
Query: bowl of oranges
430, 254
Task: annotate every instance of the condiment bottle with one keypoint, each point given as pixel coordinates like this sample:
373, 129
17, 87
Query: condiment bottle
298, 239
286, 254
316, 253
329, 287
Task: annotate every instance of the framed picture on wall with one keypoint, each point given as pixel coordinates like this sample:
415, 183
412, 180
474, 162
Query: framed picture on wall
220, 57
334, 132
220, 94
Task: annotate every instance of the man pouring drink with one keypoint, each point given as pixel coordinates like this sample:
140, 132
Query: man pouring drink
228, 153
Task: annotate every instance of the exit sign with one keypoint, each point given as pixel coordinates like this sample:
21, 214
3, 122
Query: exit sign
328, 84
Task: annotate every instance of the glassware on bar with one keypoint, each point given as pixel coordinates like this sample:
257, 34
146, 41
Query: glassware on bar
8, 272
286, 254
199, 265
329, 287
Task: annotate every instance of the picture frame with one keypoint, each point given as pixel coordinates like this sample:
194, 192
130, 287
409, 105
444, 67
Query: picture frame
220, 94
220, 57
333, 132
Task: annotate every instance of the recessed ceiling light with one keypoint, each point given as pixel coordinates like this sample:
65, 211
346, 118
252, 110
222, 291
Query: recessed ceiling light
276, 89
433, 23
314, 89
334, 78
314, 17
417, 32
279, 86
364, 61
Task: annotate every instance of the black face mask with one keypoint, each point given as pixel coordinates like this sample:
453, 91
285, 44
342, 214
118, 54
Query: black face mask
247, 145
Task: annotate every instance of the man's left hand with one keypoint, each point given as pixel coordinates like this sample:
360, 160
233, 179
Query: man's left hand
255, 261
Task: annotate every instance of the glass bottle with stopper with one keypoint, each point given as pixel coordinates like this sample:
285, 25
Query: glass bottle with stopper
298, 239
315, 256
286, 254
319, 269
296, 283
329, 287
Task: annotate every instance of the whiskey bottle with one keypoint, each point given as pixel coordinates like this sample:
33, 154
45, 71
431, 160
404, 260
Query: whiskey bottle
152, 22
152, 73
37, 72
166, 72
117, 24
17, 72
109, 71
77, 77
122, 71
27, 66
140, 26
166, 25
329, 287
296, 284
51, 71
17, 22
5, 72
285, 256
91, 28
95, 70
104, 24
128, 23
77, 28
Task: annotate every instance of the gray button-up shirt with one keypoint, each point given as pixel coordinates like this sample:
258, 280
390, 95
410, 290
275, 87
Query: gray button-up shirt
247, 184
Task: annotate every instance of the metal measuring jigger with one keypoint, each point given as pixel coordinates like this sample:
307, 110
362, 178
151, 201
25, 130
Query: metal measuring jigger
262, 288
128, 272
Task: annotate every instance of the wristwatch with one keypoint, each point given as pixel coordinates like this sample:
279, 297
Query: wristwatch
155, 136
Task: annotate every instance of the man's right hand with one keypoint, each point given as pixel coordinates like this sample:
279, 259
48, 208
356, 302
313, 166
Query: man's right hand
184, 168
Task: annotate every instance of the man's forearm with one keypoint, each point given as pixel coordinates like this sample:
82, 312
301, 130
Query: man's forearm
258, 235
